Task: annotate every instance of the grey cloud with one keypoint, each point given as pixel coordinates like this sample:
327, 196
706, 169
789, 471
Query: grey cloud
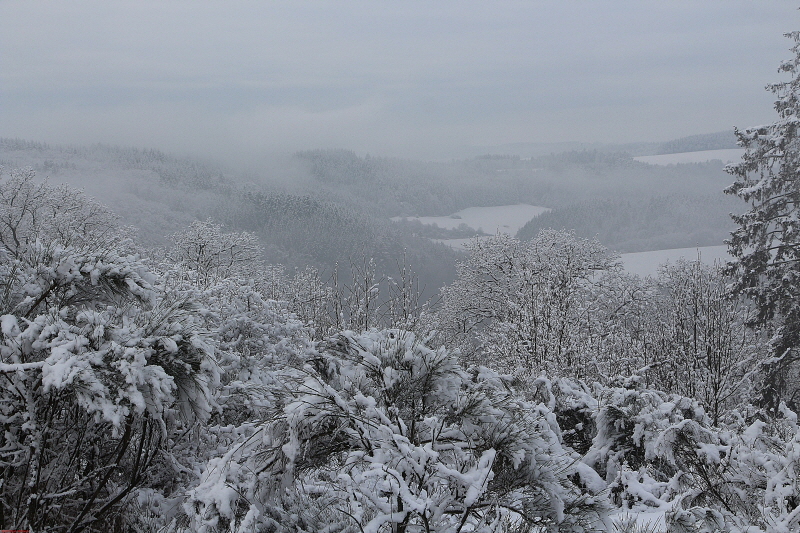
401, 77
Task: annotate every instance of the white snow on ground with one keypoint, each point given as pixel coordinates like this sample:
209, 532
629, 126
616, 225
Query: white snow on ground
729, 155
647, 263
502, 218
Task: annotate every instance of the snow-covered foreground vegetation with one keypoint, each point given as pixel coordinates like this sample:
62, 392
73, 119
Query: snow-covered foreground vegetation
195, 389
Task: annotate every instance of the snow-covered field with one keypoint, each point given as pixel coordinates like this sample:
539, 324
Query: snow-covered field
499, 218
647, 263
730, 155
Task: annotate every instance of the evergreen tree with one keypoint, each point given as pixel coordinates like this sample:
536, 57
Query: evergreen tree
766, 245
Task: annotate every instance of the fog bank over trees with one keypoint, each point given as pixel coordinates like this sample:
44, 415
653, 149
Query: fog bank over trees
323, 207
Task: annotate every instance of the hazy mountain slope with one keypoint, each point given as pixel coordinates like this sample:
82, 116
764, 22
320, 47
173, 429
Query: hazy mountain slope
328, 207
161, 194
674, 221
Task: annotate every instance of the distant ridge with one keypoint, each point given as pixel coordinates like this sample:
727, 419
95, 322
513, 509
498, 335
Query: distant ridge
697, 143
693, 143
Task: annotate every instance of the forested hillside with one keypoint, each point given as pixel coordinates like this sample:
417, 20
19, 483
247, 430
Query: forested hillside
297, 225
328, 208
695, 143
660, 222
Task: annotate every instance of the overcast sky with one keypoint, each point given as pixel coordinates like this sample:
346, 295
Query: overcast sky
404, 78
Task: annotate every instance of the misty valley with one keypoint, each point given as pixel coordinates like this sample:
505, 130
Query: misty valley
331, 342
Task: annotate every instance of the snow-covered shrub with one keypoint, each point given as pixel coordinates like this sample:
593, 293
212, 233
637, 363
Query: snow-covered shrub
629, 449
661, 456
380, 433
632, 523
304, 293
646, 443
575, 406
366, 300
32, 211
256, 341
208, 255
99, 367
659, 451
746, 479
698, 343
236, 295
254, 338
94, 363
